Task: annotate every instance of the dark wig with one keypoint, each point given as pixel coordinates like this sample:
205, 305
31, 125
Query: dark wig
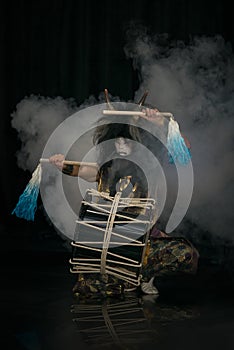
111, 129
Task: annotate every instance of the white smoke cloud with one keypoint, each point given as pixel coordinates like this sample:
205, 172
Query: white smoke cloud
35, 118
196, 83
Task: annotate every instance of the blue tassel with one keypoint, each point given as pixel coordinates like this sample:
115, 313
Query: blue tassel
27, 204
178, 151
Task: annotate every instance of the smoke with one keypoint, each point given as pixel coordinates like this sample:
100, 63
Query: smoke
36, 118
195, 82
192, 80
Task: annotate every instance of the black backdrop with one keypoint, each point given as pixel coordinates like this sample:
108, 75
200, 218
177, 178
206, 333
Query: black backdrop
74, 48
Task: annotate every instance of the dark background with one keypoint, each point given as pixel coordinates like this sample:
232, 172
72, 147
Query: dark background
75, 48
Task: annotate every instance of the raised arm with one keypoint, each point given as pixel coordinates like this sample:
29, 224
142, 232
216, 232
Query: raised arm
153, 116
86, 172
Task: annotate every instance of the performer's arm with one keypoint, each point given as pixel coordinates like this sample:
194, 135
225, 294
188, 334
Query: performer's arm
86, 172
153, 116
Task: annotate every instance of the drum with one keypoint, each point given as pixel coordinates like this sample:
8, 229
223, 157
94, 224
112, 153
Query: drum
111, 235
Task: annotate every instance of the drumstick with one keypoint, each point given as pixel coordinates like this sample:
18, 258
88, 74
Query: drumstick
114, 112
70, 162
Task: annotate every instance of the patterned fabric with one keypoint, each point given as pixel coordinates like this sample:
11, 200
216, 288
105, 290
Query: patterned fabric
165, 256
98, 286
169, 255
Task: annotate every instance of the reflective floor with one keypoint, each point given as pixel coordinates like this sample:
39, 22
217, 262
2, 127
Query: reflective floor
39, 312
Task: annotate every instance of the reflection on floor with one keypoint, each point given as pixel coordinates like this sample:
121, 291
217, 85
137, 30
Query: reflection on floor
126, 324
39, 312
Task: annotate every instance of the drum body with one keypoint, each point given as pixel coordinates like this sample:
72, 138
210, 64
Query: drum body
111, 235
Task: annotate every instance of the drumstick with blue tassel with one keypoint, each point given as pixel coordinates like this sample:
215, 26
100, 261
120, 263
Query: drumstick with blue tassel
27, 204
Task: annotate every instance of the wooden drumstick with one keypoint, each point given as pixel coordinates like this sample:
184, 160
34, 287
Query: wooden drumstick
114, 112
69, 162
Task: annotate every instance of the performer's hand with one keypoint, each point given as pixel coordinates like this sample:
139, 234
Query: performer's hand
153, 116
57, 160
